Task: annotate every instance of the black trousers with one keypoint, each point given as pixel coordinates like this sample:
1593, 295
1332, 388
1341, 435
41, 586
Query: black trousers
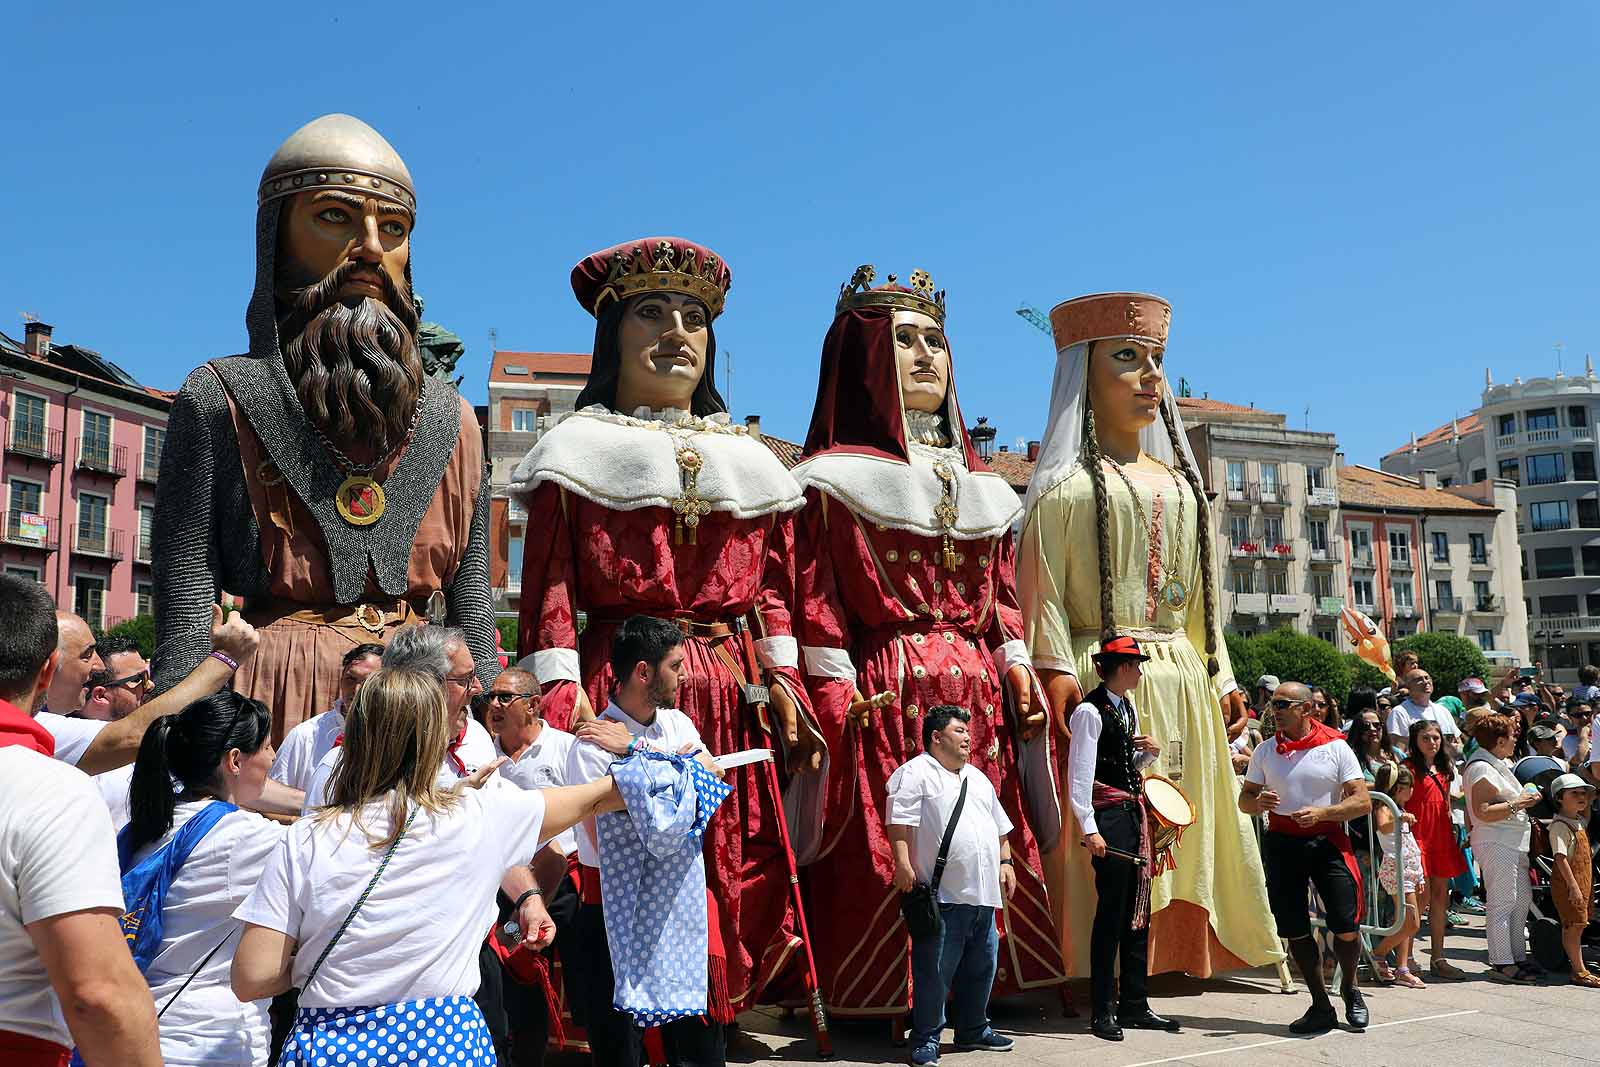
614, 1040
524, 1028
1116, 881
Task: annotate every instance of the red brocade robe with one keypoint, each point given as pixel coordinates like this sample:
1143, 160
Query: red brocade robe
610, 562
883, 614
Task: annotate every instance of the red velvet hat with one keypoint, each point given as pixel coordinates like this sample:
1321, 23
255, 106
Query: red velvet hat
1122, 646
650, 265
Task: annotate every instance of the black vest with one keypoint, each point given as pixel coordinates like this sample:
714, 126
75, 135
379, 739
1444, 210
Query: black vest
1113, 763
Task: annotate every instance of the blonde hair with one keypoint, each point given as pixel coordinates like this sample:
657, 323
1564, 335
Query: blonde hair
396, 734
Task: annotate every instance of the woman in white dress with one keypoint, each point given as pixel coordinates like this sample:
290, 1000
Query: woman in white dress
218, 749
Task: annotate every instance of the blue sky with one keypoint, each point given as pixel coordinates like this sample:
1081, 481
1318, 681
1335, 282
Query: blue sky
1355, 207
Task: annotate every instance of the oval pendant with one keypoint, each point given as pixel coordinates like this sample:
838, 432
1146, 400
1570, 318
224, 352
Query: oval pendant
359, 500
1174, 594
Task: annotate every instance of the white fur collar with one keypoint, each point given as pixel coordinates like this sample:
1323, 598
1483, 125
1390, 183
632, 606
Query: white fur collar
902, 496
629, 462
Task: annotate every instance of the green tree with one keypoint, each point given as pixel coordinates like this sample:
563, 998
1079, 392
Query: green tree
1364, 673
1299, 657
508, 636
142, 629
1246, 665
1447, 659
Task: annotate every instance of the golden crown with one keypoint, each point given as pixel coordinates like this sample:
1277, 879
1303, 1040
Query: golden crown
918, 294
664, 267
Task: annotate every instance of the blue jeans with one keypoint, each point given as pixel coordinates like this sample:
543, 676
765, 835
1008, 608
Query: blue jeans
960, 965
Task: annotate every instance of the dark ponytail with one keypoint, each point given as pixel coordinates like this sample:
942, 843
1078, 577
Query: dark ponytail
180, 753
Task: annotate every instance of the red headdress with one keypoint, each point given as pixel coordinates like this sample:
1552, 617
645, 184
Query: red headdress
652, 264
859, 408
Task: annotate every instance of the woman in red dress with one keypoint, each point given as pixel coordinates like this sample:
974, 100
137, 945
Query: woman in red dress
1442, 858
906, 579
646, 501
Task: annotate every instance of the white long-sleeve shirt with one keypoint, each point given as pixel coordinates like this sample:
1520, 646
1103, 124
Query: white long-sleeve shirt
1085, 752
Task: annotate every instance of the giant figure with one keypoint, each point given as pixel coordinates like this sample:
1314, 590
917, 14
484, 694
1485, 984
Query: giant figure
907, 555
645, 500
322, 476
1117, 542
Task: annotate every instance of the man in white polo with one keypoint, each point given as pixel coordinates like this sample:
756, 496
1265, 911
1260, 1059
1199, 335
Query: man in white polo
1419, 704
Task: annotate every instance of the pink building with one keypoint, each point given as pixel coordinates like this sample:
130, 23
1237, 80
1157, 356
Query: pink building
82, 453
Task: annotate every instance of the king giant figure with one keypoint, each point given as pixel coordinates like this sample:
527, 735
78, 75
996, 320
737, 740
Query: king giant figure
321, 476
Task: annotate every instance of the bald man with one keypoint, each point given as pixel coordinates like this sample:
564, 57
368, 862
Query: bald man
1306, 781
79, 657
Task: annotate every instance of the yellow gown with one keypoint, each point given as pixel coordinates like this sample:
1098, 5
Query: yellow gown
1211, 913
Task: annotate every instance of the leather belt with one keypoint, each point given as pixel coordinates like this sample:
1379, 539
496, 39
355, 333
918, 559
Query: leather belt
367, 621
689, 627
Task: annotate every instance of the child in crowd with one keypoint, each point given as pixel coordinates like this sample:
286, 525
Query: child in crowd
1573, 869
1400, 876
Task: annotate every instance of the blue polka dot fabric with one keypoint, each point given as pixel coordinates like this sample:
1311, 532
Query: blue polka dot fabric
438, 1030
653, 879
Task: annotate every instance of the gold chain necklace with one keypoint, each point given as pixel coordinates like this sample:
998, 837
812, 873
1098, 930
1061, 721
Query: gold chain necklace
1173, 591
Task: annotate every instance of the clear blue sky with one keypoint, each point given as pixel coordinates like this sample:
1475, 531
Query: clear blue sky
1355, 207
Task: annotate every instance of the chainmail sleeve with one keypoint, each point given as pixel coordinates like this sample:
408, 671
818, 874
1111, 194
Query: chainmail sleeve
470, 599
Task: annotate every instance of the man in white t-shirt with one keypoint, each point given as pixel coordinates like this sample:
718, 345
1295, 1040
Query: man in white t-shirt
535, 752
1419, 705
305, 745
111, 694
1307, 782
648, 660
66, 977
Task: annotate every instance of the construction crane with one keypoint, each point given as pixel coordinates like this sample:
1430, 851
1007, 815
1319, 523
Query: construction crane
1035, 316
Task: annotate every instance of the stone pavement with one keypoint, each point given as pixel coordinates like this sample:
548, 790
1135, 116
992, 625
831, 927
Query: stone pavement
1242, 1021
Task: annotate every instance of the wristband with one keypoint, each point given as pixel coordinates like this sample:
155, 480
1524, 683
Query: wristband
226, 659
1005, 861
516, 909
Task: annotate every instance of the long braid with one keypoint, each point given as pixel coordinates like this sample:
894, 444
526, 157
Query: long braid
1093, 461
1202, 521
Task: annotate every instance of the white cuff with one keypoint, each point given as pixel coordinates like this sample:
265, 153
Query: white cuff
1230, 686
830, 663
1009, 655
552, 665
1051, 663
778, 652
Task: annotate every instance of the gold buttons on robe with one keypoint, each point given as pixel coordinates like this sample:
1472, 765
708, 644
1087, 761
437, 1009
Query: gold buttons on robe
971, 643
961, 587
994, 749
961, 557
919, 671
950, 637
922, 609
988, 711
938, 615
983, 561
911, 711
955, 672
916, 639
892, 556
881, 527
914, 556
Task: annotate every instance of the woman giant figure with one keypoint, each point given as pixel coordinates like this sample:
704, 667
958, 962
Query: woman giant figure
1117, 540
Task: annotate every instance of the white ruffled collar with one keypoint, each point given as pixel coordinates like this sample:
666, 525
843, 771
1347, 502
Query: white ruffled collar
904, 496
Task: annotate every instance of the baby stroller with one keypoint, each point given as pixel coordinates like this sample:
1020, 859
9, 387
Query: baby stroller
1544, 923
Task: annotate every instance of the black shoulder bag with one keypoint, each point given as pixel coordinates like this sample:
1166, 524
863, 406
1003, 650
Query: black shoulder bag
920, 907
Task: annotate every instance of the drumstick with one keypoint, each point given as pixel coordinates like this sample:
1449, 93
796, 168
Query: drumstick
1117, 853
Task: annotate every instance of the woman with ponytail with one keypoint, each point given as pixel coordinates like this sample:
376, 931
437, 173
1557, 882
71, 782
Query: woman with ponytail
1117, 541
197, 769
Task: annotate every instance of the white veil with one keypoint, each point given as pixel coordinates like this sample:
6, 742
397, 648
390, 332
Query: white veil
1063, 434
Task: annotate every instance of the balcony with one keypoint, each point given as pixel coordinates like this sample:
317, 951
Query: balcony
1437, 564
1326, 555
1485, 562
36, 442
1241, 494
1449, 605
1250, 603
1489, 605
150, 466
30, 530
1560, 435
101, 542
1328, 606
1361, 559
1277, 551
1366, 607
100, 456
1405, 611
143, 549
1286, 603
1400, 562
1272, 496
1244, 549
1319, 499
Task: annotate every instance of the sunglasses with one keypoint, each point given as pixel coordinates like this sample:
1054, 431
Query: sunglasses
1281, 704
140, 680
505, 698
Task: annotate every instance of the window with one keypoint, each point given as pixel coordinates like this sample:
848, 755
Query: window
1510, 471
1508, 425
89, 599
96, 444
1486, 639
1445, 483
1588, 512
1361, 588
144, 598
1583, 466
23, 572
524, 420
1269, 482
1477, 548
1400, 546
1441, 546
1317, 534
515, 368
1360, 544
1479, 474
1326, 635
1540, 419
27, 421
147, 522
1577, 415
1443, 593
1552, 562
1403, 628
1591, 559
92, 523
1547, 468
1403, 596
1322, 584
1244, 581
1563, 656
1236, 475
1591, 604
1272, 531
1548, 515
514, 557
1481, 594
155, 439
1239, 530
26, 496
1278, 582
1316, 477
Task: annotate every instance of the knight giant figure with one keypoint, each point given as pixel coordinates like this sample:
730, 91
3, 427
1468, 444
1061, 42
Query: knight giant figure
323, 476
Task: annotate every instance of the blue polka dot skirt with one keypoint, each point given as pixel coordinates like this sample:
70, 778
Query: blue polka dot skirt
439, 1030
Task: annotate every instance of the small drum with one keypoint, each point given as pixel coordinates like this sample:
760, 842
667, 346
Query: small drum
1170, 812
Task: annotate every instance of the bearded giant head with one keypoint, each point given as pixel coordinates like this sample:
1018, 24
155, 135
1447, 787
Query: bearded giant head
333, 295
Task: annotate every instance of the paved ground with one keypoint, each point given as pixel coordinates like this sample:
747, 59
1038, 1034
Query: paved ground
1242, 1021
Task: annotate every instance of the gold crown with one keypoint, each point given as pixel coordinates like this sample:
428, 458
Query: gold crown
695, 273
917, 294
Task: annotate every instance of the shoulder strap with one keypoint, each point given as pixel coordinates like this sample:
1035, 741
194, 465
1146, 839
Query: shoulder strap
949, 834
387, 856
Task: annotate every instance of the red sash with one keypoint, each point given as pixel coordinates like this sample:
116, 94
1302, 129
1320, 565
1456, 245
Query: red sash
20, 1050
1109, 796
1333, 831
17, 727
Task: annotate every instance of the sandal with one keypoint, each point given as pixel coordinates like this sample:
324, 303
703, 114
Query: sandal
1586, 978
1404, 977
1446, 970
1384, 973
1510, 975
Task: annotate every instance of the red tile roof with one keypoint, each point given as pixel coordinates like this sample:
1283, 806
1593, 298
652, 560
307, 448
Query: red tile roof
788, 452
540, 365
1199, 403
1363, 488
1464, 426
1015, 467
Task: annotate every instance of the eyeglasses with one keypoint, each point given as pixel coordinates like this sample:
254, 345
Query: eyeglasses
463, 680
140, 680
505, 698
1281, 704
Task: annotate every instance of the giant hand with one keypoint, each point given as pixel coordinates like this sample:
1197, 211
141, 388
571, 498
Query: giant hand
803, 745
1063, 694
1030, 713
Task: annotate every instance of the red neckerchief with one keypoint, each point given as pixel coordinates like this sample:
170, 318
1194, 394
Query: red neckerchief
450, 756
17, 727
1321, 734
